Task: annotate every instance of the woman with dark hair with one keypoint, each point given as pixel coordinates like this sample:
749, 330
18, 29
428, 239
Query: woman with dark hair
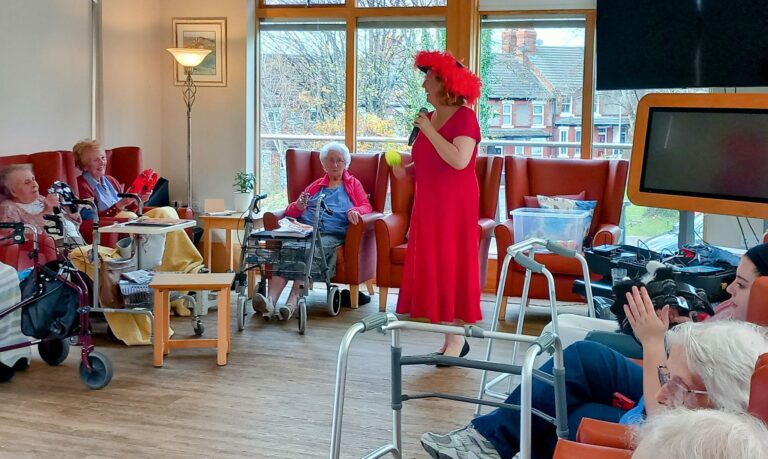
441, 278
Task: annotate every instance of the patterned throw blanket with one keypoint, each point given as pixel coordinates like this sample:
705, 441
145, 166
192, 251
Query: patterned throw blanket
10, 326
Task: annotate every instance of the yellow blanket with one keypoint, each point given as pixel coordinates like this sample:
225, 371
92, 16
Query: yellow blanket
180, 256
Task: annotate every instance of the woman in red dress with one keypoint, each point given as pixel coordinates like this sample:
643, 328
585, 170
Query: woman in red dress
441, 279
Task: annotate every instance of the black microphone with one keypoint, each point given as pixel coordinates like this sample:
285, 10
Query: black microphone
415, 131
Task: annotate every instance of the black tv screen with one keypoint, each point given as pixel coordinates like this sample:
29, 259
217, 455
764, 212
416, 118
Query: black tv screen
654, 44
707, 152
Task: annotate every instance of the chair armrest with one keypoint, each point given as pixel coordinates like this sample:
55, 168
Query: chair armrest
270, 219
566, 449
602, 433
390, 231
606, 234
486, 227
360, 248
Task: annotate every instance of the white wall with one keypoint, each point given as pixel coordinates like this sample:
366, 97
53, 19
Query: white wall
218, 116
133, 55
45, 75
45, 86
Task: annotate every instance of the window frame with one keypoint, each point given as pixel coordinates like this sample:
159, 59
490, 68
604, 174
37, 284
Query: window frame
507, 104
538, 104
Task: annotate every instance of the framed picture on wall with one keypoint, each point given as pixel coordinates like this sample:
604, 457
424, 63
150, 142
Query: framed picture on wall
208, 33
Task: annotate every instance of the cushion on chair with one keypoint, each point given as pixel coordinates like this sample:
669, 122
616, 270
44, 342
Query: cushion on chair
532, 202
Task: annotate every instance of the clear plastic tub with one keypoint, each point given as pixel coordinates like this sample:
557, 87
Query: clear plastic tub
566, 227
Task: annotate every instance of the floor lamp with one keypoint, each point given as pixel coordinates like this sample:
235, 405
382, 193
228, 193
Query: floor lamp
189, 58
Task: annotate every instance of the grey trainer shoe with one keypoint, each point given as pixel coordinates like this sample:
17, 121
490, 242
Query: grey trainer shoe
262, 305
463, 443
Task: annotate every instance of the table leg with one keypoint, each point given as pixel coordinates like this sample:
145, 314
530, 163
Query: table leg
166, 321
159, 342
222, 337
230, 250
207, 241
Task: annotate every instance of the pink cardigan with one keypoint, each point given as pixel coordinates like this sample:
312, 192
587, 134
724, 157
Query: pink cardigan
352, 186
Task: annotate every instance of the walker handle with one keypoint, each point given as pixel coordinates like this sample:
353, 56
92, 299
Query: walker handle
554, 247
374, 321
526, 262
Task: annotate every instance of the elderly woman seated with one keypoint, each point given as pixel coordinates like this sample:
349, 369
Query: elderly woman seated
180, 253
345, 196
23, 202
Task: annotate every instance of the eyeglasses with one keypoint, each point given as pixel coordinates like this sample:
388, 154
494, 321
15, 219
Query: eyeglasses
675, 384
334, 161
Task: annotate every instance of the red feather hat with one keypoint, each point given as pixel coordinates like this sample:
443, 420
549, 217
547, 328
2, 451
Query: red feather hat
457, 79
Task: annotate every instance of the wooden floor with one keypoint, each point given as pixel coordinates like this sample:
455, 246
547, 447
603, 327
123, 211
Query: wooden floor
274, 399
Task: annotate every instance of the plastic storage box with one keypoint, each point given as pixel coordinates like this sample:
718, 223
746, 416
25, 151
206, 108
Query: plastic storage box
566, 227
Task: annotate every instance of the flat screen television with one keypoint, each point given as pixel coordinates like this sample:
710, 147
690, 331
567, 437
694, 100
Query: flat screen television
654, 44
701, 152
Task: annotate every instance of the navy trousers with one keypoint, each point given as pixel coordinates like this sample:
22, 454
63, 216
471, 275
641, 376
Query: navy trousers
593, 372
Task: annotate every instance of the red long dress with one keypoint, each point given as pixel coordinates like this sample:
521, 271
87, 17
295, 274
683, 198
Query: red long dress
441, 278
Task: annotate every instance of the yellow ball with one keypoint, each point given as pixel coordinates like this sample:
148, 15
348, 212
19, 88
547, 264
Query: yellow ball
392, 158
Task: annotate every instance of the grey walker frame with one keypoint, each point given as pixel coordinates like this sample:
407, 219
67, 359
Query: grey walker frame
388, 322
518, 253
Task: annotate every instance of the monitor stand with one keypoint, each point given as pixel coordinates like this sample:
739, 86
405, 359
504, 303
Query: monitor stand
687, 233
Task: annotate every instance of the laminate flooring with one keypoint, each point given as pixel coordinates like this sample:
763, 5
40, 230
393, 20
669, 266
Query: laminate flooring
274, 399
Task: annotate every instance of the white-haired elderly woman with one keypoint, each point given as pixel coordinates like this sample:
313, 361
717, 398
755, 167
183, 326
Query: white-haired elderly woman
701, 434
23, 202
693, 365
345, 196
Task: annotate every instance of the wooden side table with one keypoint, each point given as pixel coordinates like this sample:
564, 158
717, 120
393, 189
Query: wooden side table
163, 284
228, 223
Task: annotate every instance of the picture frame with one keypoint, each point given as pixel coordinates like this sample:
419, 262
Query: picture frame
208, 33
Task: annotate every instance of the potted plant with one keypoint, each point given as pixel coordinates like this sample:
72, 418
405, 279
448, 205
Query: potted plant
244, 183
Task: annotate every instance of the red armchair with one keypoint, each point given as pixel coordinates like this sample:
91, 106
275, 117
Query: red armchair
123, 163
601, 180
390, 231
356, 259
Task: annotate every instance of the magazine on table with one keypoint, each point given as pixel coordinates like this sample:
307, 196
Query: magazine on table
291, 227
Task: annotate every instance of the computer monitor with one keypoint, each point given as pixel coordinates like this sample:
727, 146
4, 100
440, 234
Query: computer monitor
701, 152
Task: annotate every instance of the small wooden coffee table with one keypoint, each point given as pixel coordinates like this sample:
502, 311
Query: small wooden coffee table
165, 283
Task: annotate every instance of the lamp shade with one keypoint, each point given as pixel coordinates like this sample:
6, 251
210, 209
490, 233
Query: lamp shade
189, 57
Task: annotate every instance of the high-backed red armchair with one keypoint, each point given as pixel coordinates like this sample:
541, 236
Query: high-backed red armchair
601, 180
356, 259
123, 163
391, 230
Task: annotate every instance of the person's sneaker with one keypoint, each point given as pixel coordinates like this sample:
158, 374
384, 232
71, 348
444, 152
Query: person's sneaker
262, 305
463, 443
286, 311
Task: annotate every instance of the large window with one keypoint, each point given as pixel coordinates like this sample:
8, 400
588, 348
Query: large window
535, 66
302, 98
389, 92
